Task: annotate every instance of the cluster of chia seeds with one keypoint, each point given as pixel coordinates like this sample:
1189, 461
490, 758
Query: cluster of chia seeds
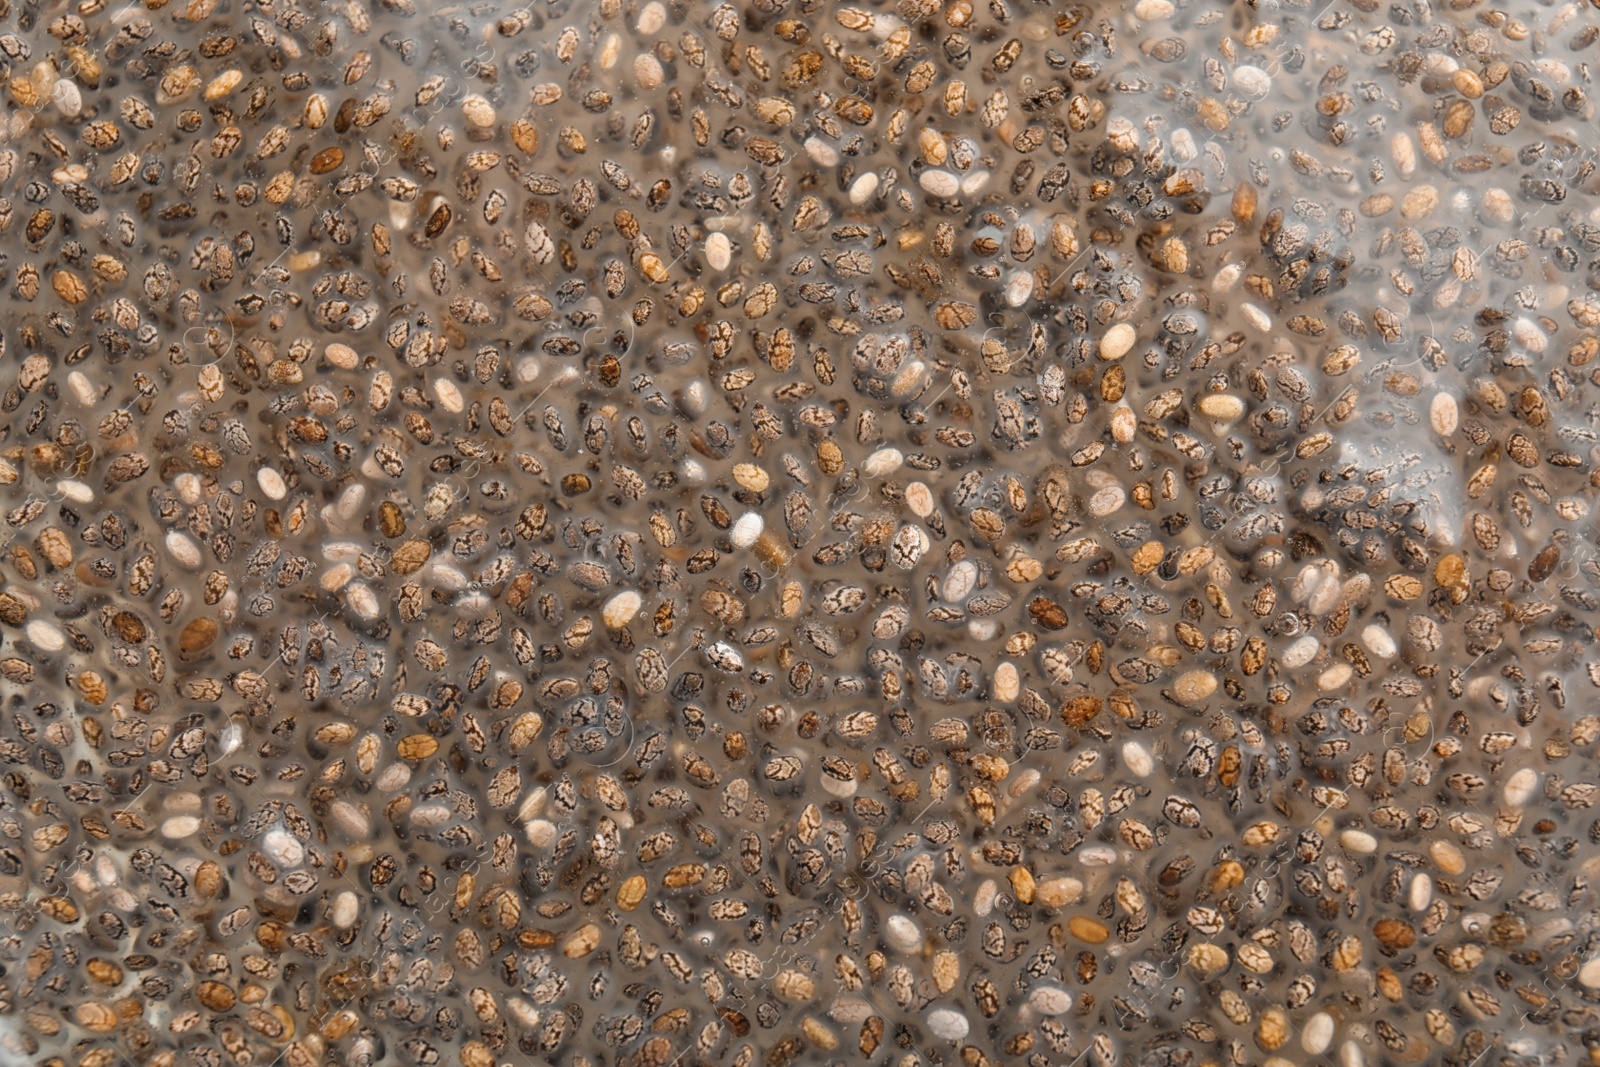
624, 534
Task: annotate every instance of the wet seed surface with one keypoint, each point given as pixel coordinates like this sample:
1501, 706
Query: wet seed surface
623, 534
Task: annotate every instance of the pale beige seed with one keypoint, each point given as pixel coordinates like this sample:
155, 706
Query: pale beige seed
315, 113
946, 970
95, 1016
1464, 959
631, 893
1208, 960
719, 252
1443, 415
1117, 342
751, 477
1377, 205
1402, 587
1419, 203
1058, 892
1213, 114
794, 986
1174, 255
1433, 145
478, 111
1194, 687
1498, 205
775, 110
1063, 241
223, 84
56, 547
342, 356
1467, 83
652, 17
1404, 153
1024, 569
1221, 406
1123, 424
1447, 857
1346, 955
819, 1034
1273, 1029
1253, 957
621, 609
1007, 683
581, 941
649, 74
176, 84
1481, 480
523, 731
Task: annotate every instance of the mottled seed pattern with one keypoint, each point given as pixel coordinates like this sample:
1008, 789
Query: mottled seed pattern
621, 533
